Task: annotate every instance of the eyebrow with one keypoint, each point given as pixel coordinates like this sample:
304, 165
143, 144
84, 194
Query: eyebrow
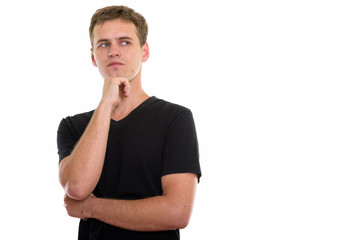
120, 38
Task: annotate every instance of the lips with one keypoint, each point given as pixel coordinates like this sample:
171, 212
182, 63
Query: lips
115, 64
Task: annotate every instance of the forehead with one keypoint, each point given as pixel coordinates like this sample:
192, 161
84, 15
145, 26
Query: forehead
114, 29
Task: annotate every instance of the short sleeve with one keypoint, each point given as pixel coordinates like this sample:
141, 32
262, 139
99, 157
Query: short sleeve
66, 139
181, 151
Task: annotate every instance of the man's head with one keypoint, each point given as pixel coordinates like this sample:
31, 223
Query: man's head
118, 40
120, 12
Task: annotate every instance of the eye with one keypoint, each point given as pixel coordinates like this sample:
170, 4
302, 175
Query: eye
124, 43
104, 45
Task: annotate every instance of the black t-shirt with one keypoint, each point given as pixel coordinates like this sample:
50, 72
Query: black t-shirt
156, 139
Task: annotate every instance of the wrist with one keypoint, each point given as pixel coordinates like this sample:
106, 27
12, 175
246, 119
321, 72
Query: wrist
105, 105
104, 108
88, 210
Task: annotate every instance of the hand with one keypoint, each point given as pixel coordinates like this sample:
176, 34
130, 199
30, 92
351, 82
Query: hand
115, 90
76, 208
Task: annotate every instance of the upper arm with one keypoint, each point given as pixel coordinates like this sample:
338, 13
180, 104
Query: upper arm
180, 190
61, 172
66, 139
181, 151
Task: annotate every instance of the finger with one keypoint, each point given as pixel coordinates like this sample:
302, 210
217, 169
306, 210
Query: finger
126, 90
125, 86
66, 198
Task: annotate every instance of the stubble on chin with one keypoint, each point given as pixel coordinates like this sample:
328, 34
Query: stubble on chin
115, 73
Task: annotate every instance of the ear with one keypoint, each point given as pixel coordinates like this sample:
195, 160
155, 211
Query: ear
93, 58
145, 52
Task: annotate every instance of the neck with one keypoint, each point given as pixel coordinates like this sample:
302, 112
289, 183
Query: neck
128, 104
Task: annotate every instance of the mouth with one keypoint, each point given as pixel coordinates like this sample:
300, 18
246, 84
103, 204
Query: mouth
115, 64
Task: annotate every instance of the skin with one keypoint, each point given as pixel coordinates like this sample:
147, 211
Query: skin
119, 56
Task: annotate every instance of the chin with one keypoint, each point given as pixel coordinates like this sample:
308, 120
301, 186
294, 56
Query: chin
113, 75
106, 75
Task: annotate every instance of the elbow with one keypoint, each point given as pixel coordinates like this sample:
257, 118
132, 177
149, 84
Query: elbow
180, 217
183, 223
73, 188
76, 192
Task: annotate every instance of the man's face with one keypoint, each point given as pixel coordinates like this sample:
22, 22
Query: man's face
116, 49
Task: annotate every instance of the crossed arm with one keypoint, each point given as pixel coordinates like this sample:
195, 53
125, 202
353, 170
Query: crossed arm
170, 211
80, 172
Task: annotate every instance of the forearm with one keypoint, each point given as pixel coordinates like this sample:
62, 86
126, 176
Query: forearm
170, 211
80, 172
150, 214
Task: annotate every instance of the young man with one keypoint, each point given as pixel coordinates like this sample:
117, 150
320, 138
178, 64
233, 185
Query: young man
130, 167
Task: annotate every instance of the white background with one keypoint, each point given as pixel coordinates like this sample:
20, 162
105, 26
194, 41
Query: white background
273, 86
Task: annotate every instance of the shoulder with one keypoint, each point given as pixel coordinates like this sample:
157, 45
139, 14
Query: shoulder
167, 107
82, 116
76, 123
79, 118
172, 114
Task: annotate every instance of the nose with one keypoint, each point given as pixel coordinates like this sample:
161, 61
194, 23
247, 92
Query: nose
113, 52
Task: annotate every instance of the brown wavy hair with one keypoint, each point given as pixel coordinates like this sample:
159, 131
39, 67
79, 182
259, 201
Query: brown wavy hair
120, 12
